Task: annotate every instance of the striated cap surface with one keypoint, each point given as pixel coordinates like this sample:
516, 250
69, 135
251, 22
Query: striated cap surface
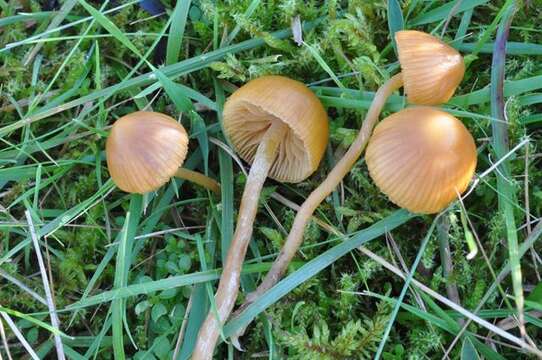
144, 150
249, 111
431, 69
421, 158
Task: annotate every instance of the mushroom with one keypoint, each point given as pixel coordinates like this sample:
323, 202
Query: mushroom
146, 149
431, 71
279, 126
422, 158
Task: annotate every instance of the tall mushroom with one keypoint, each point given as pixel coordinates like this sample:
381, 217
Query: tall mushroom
280, 127
146, 149
431, 71
421, 158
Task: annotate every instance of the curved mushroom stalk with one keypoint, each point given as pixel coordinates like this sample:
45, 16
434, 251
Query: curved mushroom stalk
295, 237
198, 178
228, 287
431, 71
279, 126
145, 149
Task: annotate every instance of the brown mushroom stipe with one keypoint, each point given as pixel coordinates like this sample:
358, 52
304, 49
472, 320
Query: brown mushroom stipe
421, 158
417, 83
145, 149
280, 126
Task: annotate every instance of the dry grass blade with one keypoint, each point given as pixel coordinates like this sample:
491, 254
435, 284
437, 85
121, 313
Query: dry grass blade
453, 305
531, 239
471, 316
57, 20
5, 340
71, 68
23, 287
395, 248
493, 167
19, 335
183, 326
48, 295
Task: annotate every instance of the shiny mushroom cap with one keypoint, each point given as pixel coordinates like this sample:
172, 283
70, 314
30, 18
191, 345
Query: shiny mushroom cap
249, 111
144, 150
431, 69
421, 158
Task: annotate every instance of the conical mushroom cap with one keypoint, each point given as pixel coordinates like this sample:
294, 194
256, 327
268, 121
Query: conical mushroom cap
144, 150
431, 69
421, 158
249, 111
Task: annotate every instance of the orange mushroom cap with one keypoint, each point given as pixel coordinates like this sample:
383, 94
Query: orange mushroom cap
431, 69
144, 150
421, 158
250, 110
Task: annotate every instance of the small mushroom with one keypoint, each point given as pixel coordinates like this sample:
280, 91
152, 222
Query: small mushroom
280, 127
146, 149
421, 158
431, 71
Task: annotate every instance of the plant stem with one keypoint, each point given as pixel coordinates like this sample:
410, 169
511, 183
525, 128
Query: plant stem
443, 231
505, 190
198, 178
228, 286
295, 237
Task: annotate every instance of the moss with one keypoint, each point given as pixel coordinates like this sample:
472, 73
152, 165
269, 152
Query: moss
324, 318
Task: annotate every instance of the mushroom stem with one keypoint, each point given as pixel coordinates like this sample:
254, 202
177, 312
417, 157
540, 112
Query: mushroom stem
228, 286
198, 178
345, 164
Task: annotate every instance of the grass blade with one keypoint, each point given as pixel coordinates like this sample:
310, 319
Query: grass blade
250, 9
405, 288
463, 27
109, 26
442, 12
395, 20
226, 188
57, 20
316, 55
176, 31
171, 71
313, 267
122, 269
45, 279
61, 220
150, 287
505, 190
512, 48
52, 330
36, 16
19, 335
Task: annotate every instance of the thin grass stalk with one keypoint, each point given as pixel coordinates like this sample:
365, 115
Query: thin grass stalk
19, 335
505, 190
525, 246
408, 280
5, 340
47, 289
471, 316
313, 267
23, 287
446, 258
172, 71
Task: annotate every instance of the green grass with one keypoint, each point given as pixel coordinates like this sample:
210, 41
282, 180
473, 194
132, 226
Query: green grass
133, 276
